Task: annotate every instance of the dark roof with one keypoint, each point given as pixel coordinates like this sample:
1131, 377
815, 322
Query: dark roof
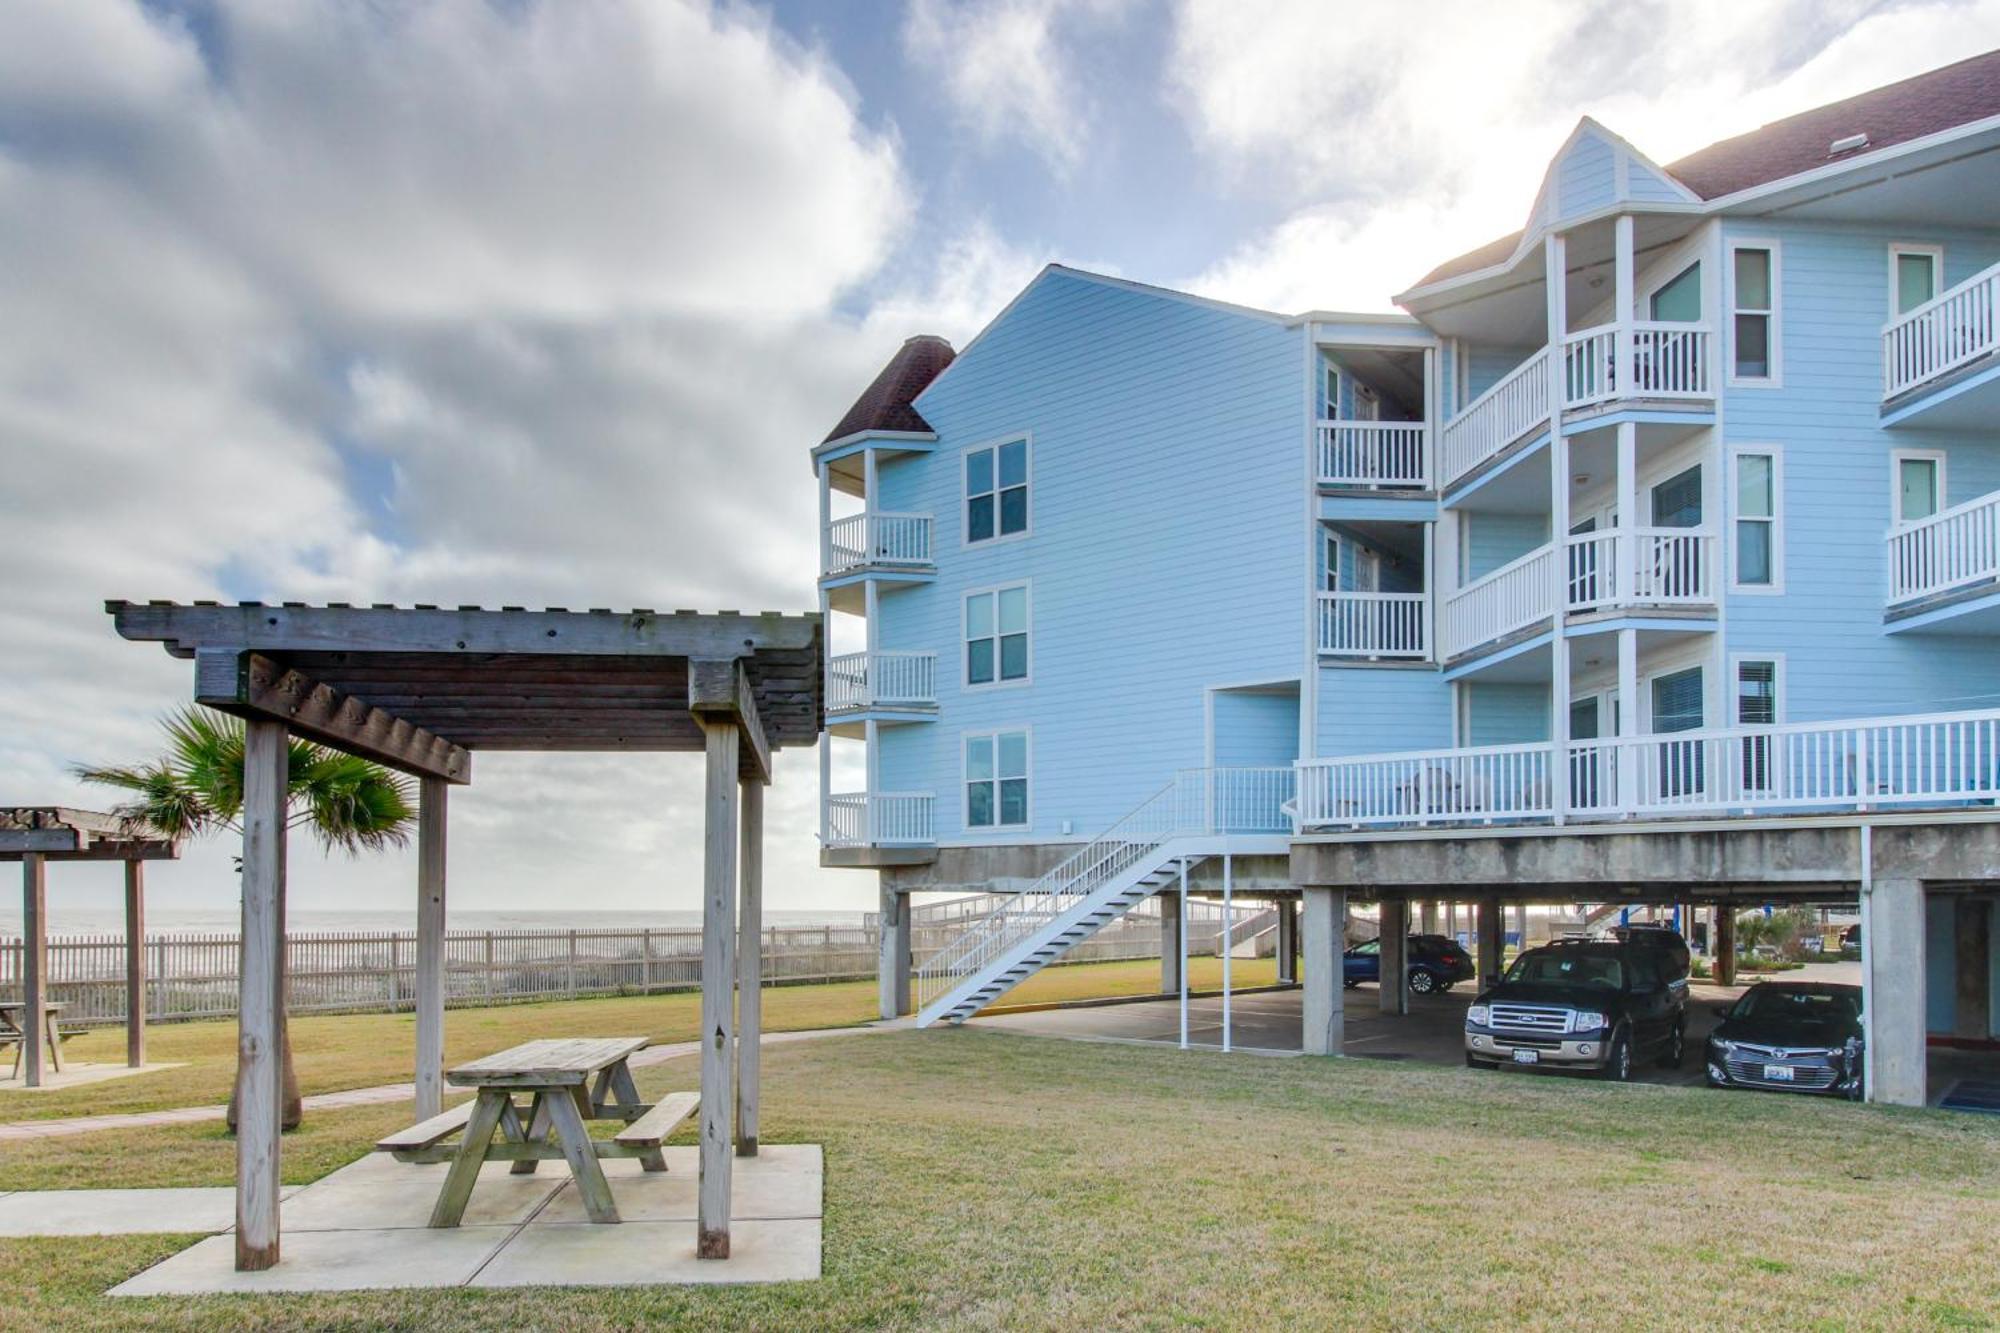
885, 404
1925, 104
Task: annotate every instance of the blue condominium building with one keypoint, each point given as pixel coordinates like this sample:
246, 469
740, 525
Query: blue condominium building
1651, 554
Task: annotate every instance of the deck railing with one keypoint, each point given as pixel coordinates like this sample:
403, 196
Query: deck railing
871, 538
1671, 567
1949, 760
1951, 549
1510, 409
881, 819
1954, 329
1374, 453
1374, 624
1511, 598
869, 680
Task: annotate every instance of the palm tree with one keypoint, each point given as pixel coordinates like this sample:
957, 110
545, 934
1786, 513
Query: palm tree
196, 788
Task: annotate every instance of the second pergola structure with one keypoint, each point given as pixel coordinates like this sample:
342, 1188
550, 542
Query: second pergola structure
419, 689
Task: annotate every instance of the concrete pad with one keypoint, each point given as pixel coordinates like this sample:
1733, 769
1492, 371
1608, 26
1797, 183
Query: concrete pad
381, 1168
647, 1253
326, 1261
76, 1076
374, 1205
670, 1197
116, 1212
771, 1159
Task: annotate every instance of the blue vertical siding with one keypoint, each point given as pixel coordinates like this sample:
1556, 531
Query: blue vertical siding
1646, 186
1374, 710
1167, 543
1256, 729
1486, 364
1506, 713
1586, 177
1490, 540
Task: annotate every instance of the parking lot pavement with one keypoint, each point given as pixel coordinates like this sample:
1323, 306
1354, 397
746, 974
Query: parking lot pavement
1432, 1032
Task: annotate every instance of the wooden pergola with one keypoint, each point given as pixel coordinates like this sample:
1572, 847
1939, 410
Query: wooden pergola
36, 835
419, 689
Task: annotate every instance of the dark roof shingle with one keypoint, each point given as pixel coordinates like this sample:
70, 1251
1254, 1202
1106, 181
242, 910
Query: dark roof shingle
886, 404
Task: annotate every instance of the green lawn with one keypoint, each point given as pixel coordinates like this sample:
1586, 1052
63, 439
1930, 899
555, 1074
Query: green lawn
336, 1052
981, 1179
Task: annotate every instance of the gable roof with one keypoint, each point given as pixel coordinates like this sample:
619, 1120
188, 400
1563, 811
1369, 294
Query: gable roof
886, 404
1922, 105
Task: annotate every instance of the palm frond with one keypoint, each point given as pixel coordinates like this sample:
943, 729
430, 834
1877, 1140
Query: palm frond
165, 801
353, 804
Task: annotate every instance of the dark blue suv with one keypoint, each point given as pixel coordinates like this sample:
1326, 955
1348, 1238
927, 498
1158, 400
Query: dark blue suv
1436, 963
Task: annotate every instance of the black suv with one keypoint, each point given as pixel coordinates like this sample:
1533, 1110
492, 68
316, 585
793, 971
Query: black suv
1583, 1004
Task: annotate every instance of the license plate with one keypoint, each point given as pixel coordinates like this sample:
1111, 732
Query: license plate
1778, 1073
1527, 1057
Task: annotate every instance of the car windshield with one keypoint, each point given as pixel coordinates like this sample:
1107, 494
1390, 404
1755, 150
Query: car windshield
1569, 968
1768, 1002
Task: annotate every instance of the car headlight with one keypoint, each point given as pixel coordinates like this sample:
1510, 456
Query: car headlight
1477, 1015
1723, 1044
1589, 1020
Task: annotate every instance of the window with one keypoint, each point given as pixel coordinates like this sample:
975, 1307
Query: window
1677, 500
1914, 272
1677, 706
1919, 483
1757, 706
1678, 301
996, 780
1756, 555
1754, 313
1331, 573
996, 491
996, 636
1331, 384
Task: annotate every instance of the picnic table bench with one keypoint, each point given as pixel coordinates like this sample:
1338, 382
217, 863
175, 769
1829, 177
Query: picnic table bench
14, 1029
568, 1081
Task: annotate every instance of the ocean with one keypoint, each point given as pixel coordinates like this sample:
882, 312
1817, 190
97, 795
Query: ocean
225, 920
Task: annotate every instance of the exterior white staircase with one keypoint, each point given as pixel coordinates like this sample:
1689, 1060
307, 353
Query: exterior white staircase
1200, 813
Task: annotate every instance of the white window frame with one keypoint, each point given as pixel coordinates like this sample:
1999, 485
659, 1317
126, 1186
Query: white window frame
1897, 457
965, 781
1897, 249
965, 542
1331, 376
1776, 454
965, 637
1774, 754
1778, 669
1330, 560
1775, 344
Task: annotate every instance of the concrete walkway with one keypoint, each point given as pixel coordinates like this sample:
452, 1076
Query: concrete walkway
17, 1130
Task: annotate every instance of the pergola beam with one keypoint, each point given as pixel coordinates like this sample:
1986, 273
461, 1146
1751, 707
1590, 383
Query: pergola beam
250, 684
719, 692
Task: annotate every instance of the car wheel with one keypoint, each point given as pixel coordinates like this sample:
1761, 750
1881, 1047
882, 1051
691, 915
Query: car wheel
1423, 983
1618, 1064
1676, 1052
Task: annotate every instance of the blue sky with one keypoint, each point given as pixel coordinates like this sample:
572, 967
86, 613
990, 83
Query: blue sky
539, 303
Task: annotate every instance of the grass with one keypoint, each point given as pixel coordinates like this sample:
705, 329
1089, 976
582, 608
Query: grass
979, 1179
332, 1053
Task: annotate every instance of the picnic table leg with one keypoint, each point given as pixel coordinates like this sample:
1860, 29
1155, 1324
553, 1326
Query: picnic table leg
582, 1155
464, 1173
600, 1094
627, 1094
538, 1132
55, 1040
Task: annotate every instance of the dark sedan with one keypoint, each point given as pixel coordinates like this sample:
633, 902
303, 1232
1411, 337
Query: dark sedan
1790, 1037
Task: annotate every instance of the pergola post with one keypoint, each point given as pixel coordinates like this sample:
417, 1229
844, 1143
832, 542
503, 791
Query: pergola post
135, 963
750, 968
718, 949
260, 1006
34, 963
431, 818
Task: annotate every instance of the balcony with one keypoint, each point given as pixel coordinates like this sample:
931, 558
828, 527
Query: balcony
1375, 625
1671, 362
861, 682
876, 541
1954, 551
1374, 454
1670, 568
1945, 351
880, 819
1942, 760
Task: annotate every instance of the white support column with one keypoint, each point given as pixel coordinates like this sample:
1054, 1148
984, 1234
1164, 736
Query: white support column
260, 1054
750, 969
431, 807
871, 499
135, 964
1394, 997
1325, 1000
718, 978
825, 527
1627, 500
1556, 276
1621, 343
1181, 895
1228, 941
34, 964
1628, 717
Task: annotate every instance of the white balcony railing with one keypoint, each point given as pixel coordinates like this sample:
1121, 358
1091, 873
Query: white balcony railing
872, 539
1374, 624
1512, 408
870, 680
881, 819
1511, 598
1939, 336
1374, 453
1670, 567
1948, 760
1954, 548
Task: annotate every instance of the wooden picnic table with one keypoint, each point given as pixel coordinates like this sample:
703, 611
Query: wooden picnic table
14, 1030
568, 1081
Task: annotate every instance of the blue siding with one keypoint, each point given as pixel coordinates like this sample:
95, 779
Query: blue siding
1167, 547
1374, 710
1833, 283
1586, 177
1506, 713
1644, 185
1487, 363
1256, 729
1491, 540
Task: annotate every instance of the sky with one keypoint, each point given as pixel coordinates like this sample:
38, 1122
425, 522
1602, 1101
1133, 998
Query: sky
537, 303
